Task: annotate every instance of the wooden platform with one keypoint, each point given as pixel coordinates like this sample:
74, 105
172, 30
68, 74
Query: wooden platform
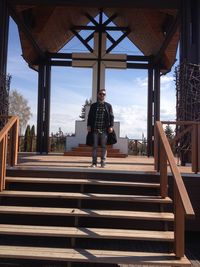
58, 161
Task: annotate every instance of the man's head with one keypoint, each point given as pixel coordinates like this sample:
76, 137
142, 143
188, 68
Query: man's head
101, 95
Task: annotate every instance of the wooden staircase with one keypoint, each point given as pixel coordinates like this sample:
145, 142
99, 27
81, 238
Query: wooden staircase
86, 151
85, 219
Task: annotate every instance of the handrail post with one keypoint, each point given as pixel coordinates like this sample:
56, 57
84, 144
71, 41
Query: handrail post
179, 225
163, 172
198, 147
2, 163
14, 143
194, 148
156, 149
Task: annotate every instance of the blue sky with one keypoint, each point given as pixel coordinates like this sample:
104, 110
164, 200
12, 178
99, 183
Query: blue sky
126, 90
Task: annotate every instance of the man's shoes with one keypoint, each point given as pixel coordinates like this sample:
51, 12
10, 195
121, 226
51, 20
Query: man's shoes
103, 164
93, 165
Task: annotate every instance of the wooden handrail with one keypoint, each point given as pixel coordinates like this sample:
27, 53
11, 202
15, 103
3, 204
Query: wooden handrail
182, 205
192, 127
10, 129
175, 172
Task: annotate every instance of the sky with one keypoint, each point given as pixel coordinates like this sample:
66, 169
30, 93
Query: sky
70, 87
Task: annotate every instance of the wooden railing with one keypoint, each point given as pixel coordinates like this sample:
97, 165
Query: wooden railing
8, 147
192, 127
182, 204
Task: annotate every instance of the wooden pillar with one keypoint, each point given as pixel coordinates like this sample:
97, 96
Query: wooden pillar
156, 94
190, 31
150, 113
43, 114
4, 27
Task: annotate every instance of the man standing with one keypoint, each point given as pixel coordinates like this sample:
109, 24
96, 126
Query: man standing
100, 123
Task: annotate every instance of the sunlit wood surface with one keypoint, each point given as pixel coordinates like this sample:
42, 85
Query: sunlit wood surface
55, 161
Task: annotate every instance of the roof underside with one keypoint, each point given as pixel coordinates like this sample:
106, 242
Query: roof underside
47, 28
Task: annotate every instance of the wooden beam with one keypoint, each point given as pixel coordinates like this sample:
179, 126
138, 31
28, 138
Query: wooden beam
137, 66
61, 63
60, 55
167, 40
122, 37
138, 58
171, 4
26, 32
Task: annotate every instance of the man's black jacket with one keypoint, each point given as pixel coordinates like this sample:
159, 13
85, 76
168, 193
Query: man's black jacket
109, 117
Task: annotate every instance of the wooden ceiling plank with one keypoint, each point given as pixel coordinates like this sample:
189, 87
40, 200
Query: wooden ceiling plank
168, 38
26, 31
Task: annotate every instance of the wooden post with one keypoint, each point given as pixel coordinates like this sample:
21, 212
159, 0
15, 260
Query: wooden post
150, 112
198, 149
4, 26
163, 172
194, 148
43, 116
5, 160
179, 225
14, 143
2, 163
156, 149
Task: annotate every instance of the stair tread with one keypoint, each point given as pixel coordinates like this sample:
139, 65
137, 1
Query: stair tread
88, 154
162, 216
93, 196
80, 181
81, 232
89, 255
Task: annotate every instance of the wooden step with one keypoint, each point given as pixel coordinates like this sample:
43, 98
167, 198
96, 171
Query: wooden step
86, 196
137, 215
89, 149
80, 181
91, 256
88, 154
79, 232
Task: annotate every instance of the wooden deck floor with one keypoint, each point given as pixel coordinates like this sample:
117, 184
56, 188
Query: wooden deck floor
58, 161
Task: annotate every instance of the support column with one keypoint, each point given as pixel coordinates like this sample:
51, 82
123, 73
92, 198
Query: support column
4, 28
4, 80
187, 105
150, 113
43, 114
190, 32
156, 94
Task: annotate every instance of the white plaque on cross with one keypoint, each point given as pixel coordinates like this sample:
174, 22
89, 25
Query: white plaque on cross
90, 60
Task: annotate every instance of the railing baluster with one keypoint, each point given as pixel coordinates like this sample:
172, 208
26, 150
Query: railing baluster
194, 148
198, 147
179, 226
163, 172
156, 150
14, 143
2, 163
5, 159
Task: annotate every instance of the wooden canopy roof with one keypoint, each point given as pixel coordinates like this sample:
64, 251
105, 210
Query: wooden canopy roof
45, 26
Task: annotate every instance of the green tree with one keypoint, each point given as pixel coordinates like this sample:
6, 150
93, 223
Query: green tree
18, 106
169, 132
32, 138
27, 139
83, 110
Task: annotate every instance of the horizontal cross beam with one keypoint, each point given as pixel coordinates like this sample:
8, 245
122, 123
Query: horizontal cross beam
129, 57
174, 4
68, 63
